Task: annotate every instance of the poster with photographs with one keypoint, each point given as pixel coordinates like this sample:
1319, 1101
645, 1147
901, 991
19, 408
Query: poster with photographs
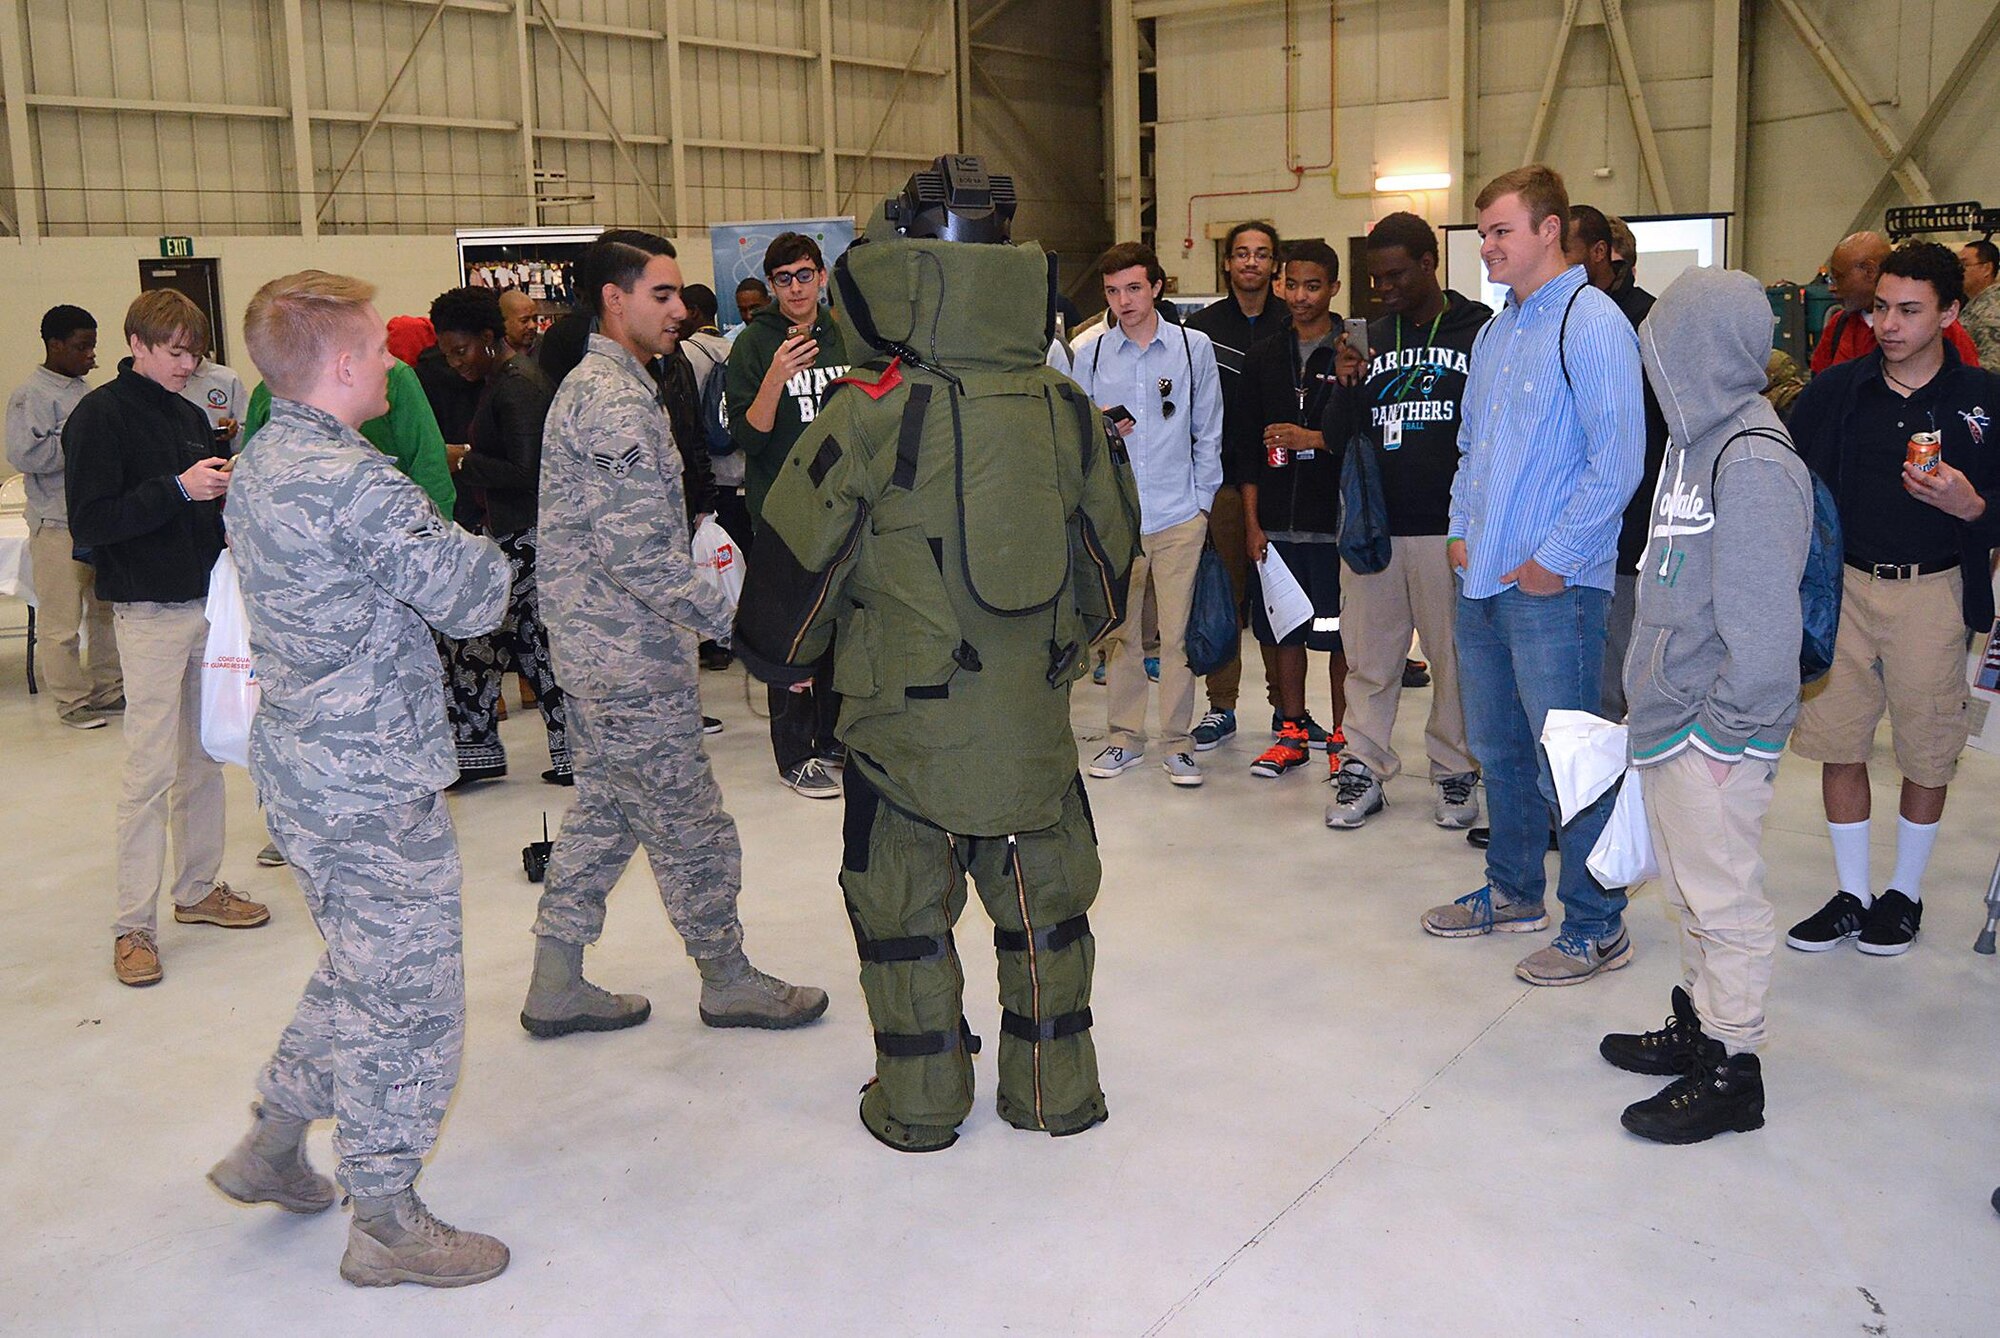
540, 262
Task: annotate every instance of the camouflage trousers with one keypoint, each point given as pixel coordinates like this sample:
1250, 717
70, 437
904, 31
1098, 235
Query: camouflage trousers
904, 882
375, 1043
642, 779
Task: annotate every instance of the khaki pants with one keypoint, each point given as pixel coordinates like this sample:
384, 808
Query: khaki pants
1167, 563
1707, 838
1416, 591
170, 783
67, 610
1225, 525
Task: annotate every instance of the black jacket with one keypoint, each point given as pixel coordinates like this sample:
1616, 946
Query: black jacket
680, 396
1234, 335
505, 467
1966, 401
1303, 494
123, 447
1416, 374
1637, 526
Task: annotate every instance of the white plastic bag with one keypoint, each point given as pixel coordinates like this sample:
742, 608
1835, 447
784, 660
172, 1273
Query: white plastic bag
229, 690
1623, 855
1586, 756
719, 560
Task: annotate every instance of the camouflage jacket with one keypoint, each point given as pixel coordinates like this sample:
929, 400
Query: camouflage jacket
346, 566
1981, 319
619, 591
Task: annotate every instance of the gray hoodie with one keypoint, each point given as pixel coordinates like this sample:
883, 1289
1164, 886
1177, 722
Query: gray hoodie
1714, 663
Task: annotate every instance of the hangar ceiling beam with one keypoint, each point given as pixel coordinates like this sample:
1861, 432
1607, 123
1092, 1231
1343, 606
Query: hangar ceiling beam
1915, 184
1942, 103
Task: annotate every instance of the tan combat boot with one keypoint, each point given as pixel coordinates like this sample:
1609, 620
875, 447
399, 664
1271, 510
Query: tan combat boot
395, 1239
269, 1166
736, 994
561, 1001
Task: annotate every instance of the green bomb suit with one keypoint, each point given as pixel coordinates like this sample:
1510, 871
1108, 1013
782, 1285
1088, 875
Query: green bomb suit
967, 525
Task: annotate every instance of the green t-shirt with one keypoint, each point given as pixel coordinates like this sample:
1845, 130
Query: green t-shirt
407, 434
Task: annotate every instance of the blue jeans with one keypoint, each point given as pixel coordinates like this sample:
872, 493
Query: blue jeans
1521, 656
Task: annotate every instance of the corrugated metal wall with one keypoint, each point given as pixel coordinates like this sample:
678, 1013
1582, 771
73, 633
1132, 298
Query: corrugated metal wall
175, 116
1810, 166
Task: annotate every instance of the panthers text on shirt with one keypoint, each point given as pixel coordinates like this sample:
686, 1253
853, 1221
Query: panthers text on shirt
1408, 396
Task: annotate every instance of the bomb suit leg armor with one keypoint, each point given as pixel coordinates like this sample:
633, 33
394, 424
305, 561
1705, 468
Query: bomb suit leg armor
959, 513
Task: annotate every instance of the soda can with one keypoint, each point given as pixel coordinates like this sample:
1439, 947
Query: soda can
1924, 451
1277, 456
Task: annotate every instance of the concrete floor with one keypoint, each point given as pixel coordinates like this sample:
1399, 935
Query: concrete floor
1323, 1122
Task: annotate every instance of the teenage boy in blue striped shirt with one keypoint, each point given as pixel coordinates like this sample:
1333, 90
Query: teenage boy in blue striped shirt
1552, 444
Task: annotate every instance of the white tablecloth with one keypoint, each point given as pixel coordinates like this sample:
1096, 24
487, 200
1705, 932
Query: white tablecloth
17, 573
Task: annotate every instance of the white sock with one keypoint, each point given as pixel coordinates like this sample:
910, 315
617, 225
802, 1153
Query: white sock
1850, 858
1913, 855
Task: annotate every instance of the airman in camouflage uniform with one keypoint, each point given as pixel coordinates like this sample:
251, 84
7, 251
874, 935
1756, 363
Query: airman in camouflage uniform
625, 609
346, 566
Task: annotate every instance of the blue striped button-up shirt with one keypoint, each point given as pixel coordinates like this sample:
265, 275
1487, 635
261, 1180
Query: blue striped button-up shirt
1547, 465
1176, 457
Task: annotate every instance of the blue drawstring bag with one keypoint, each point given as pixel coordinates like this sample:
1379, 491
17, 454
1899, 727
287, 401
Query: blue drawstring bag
1213, 632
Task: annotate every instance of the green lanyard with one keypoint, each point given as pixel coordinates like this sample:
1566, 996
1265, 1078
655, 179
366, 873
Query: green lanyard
1429, 338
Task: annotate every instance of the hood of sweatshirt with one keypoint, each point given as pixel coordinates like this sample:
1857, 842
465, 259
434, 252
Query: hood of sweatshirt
1705, 346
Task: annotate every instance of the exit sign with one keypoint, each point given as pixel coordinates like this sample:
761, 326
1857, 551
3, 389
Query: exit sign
176, 248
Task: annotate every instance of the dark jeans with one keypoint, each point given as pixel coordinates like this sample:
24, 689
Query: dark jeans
1521, 656
802, 722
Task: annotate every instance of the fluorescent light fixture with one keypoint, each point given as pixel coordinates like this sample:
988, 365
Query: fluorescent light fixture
1414, 182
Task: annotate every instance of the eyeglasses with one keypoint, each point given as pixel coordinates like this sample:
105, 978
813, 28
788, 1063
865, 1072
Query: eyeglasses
1244, 253
1166, 389
794, 278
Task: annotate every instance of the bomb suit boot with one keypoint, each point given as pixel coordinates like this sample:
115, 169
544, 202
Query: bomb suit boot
959, 514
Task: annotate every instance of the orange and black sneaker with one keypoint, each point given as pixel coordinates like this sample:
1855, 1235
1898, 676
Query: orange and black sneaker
1336, 743
1289, 752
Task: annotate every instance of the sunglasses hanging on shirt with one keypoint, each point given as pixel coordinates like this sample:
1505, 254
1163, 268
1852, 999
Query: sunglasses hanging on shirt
1166, 389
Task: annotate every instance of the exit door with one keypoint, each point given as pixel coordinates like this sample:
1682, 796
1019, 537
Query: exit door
200, 281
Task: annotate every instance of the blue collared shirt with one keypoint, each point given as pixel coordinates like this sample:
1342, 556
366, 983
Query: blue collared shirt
1177, 459
1547, 466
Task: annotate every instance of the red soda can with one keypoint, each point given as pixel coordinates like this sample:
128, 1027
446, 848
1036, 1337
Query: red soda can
1924, 451
1277, 456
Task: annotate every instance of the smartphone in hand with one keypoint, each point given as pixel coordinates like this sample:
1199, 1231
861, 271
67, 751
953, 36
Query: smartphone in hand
1355, 328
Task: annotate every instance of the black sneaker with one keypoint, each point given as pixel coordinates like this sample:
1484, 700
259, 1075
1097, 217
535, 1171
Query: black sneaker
1889, 927
1416, 674
1723, 1094
715, 655
1831, 925
710, 725
1665, 1052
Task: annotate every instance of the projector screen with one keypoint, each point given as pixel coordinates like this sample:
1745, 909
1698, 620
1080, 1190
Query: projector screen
1667, 245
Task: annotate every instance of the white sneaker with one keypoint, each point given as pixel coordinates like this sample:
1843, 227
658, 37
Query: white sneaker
1114, 762
1181, 770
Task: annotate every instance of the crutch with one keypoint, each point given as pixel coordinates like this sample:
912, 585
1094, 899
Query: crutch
1985, 942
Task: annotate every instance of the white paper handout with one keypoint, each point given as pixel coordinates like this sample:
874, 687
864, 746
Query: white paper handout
1286, 604
1587, 755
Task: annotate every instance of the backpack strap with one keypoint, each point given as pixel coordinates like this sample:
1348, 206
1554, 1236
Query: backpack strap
1562, 337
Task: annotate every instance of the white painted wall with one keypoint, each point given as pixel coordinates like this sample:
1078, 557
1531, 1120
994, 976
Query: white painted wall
101, 275
1222, 124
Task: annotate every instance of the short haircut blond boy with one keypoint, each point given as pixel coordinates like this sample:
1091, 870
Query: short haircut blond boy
297, 324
